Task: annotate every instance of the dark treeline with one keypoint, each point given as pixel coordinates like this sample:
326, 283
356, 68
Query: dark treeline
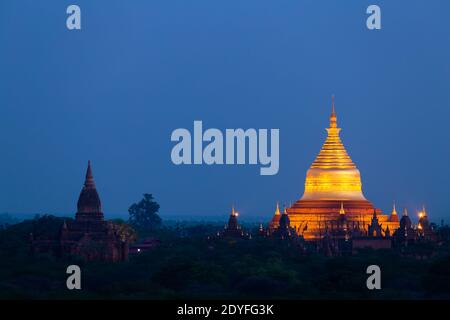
188, 263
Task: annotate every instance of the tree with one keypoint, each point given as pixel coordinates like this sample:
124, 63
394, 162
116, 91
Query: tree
143, 215
124, 231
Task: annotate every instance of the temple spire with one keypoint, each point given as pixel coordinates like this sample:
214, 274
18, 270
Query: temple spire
89, 205
333, 153
277, 211
233, 212
394, 211
333, 118
342, 211
89, 182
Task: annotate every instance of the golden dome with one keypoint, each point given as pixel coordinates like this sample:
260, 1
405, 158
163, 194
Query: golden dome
333, 175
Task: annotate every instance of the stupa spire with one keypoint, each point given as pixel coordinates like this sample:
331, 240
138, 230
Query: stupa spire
277, 210
333, 175
394, 211
342, 211
89, 205
234, 213
89, 181
333, 118
333, 153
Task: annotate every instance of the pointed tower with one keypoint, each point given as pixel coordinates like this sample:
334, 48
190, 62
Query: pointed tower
232, 228
342, 211
332, 182
275, 222
89, 205
232, 221
285, 222
342, 226
277, 210
405, 221
424, 211
284, 230
333, 175
394, 215
89, 236
374, 229
424, 223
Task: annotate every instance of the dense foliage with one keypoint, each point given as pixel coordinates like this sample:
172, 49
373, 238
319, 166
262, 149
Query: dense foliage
144, 214
188, 264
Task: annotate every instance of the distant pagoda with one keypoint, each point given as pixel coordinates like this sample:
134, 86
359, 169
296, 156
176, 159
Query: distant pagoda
275, 222
89, 235
89, 205
284, 229
232, 228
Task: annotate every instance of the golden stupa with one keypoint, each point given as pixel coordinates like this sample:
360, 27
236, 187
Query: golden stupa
333, 186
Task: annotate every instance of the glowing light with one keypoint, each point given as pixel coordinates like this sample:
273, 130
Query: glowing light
333, 175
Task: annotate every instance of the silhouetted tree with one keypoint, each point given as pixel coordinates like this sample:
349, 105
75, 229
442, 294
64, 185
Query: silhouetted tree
143, 215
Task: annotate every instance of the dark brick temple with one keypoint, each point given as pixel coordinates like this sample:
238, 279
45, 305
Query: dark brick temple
89, 235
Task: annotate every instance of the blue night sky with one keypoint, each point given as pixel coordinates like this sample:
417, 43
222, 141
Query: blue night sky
114, 92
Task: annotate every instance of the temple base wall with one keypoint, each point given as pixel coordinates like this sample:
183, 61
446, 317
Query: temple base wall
312, 226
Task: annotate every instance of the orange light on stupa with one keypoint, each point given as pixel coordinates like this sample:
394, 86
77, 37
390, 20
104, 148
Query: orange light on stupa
342, 211
333, 190
333, 175
234, 213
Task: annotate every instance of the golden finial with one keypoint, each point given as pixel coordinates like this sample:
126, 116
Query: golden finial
342, 211
394, 211
277, 211
333, 118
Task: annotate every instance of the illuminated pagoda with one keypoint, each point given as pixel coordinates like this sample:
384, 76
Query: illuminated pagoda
394, 215
424, 228
284, 229
275, 222
375, 227
332, 183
